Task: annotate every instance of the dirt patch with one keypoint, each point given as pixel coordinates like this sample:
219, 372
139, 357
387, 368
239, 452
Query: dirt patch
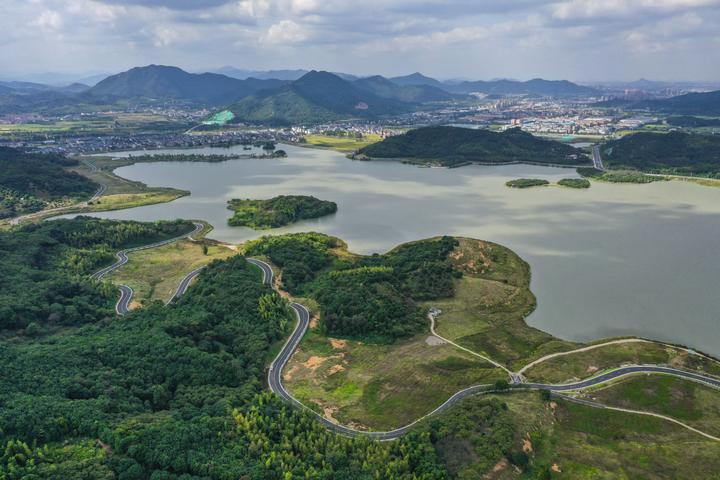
499, 467
555, 468
527, 445
335, 369
328, 413
134, 304
288, 375
105, 447
338, 344
314, 362
314, 322
433, 341
592, 369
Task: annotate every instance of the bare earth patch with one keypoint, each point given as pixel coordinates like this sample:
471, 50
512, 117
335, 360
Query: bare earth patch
432, 340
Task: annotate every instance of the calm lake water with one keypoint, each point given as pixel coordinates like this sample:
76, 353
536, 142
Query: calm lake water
612, 260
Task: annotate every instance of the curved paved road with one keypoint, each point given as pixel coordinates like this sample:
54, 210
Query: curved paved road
185, 283
123, 304
282, 358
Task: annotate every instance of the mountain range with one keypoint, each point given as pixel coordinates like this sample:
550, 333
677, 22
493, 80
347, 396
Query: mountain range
314, 98
172, 83
300, 96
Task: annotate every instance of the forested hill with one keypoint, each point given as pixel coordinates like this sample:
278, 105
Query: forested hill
451, 146
29, 181
703, 103
673, 153
314, 98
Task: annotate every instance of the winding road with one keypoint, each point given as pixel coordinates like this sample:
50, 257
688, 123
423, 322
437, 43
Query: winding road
303, 315
123, 304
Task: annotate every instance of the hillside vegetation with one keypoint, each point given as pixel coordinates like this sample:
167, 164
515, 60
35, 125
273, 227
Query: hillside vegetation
30, 182
451, 146
278, 211
371, 298
672, 153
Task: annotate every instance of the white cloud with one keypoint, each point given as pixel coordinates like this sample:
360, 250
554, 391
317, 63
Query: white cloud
285, 32
48, 20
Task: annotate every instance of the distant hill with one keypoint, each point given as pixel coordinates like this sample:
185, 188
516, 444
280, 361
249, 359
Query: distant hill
707, 103
383, 87
242, 74
537, 86
453, 146
314, 98
416, 79
674, 153
159, 82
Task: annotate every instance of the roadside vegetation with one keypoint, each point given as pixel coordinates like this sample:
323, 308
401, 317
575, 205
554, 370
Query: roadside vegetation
527, 183
575, 366
277, 211
45, 269
155, 274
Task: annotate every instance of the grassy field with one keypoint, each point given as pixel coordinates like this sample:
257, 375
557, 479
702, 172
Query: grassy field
689, 402
569, 441
584, 364
155, 274
381, 386
487, 313
342, 144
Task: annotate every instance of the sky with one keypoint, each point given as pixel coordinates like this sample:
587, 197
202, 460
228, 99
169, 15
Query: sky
580, 40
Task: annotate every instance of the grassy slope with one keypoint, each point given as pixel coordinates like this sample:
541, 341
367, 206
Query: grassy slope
588, 363
380, 386
589, 443
487, 313
155, 274
689, 402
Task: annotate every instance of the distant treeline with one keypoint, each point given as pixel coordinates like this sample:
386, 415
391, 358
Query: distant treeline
677, 153
29, 181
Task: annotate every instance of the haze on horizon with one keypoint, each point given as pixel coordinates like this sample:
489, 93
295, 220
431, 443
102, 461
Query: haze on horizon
580, 40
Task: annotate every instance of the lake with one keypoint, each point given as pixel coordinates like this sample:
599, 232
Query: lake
612, 260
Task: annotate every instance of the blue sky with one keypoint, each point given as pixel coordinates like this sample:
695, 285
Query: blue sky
579, 40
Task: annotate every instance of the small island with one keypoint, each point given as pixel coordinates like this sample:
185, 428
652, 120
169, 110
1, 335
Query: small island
277, 211
574, 183
527, 183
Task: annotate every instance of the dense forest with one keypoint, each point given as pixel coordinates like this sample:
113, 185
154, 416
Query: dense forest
371, 298
176, 392
452, 146
29, 181
671, 153
688, 121
45, 267
277, 211
526, 183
